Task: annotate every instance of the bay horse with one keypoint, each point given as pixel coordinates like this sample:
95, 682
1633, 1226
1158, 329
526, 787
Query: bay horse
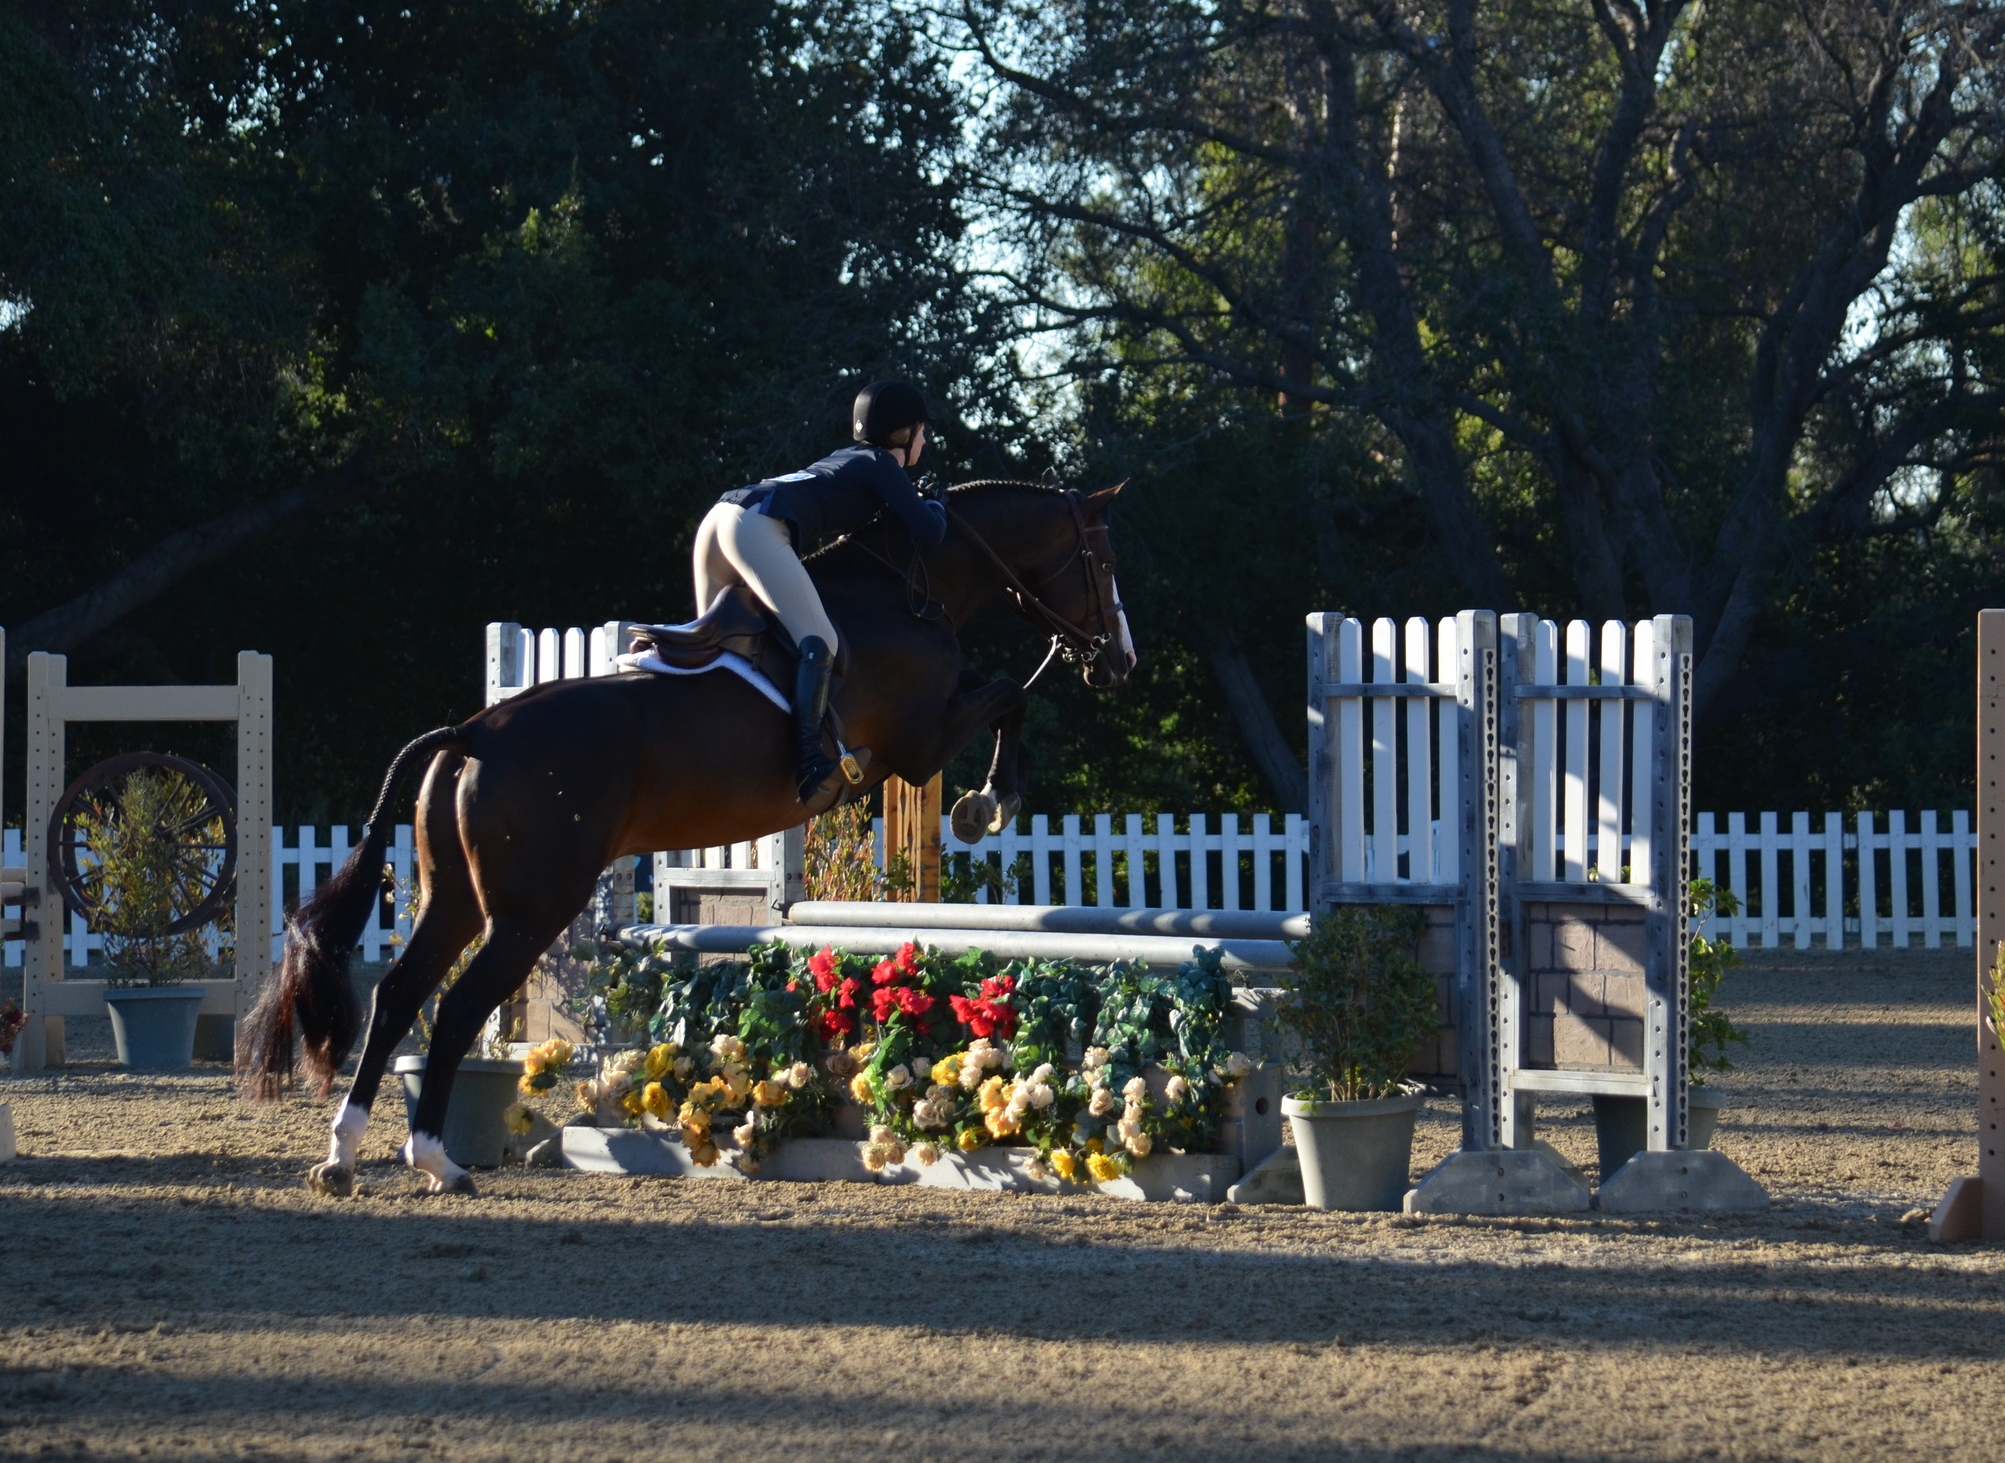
523, 805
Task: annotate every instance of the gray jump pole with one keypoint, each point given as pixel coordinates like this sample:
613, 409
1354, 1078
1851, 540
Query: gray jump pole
884, 938
1060, 919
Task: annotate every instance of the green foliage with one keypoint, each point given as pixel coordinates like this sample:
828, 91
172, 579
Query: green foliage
139, 848
1359, 1000
840, 857
1712, 1031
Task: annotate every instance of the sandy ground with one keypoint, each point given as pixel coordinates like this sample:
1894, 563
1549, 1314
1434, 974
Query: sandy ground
167, 1289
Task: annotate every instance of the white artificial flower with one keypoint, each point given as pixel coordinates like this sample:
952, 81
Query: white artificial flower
1042, 1074
874, 1158
1138, 1144
1102, 1103
617, 1084
939, 1096
971, 1073
1237, 1065
978, 1050
1042, 1096
1036, 1169
799, 1075
898, 1078
1127, 1128
1097, 1057
925, 1153
1176, 1090
742, 1135
1136, 1091
922, 1068
683, 1067
882, 1135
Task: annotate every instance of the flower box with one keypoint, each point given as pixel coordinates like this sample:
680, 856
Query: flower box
1184, 1178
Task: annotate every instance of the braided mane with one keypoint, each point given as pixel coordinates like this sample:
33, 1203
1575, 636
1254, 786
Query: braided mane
977, 485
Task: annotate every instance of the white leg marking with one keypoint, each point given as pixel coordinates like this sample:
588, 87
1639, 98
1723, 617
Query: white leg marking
428, 1156
350, 1123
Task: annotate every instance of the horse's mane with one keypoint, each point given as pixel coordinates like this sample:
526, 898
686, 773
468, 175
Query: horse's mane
973, 488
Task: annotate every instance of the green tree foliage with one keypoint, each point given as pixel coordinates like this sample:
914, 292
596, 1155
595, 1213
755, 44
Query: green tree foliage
1604, 309
1359, 1001
470, 309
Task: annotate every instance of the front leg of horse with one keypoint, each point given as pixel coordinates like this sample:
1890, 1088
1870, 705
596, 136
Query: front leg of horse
993, 808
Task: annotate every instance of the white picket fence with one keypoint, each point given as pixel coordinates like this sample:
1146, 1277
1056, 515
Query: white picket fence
297, 870
1797, 884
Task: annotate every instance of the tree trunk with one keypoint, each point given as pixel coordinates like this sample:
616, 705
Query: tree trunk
1255, 718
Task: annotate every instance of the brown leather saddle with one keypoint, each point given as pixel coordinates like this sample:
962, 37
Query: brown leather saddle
738, 623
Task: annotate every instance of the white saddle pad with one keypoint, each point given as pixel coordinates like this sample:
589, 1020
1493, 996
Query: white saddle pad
727, 661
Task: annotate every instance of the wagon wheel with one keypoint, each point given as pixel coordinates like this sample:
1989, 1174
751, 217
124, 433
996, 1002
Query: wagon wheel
195, 818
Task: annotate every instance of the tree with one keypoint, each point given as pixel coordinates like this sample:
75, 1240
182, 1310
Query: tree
322, 329
1703, 288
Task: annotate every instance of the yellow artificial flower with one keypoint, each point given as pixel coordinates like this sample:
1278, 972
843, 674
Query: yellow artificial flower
1095, 1146
970, 1140
557, 1052
588, 1096
737, 1083
859, 1088
1102, 1168
654, 1099
705, 1154
518, 1118
769, 1094
633, 1102
660, 1059
999, 1123
1064, 1165
533, 1062
947, 1071
991, 1095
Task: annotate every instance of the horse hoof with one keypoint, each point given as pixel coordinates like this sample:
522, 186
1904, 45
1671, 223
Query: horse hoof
459, 1183
971, 815
331, 1179
1005, 813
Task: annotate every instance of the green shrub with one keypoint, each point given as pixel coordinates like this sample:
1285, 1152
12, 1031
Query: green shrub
1359, 1000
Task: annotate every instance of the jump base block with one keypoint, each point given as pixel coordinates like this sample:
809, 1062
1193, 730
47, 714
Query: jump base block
1497, 1181
1186, 1178
1689, 1178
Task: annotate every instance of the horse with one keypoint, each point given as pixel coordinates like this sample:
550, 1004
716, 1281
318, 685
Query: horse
523, 806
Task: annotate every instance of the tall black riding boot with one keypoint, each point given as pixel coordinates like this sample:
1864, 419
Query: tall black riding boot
817, 775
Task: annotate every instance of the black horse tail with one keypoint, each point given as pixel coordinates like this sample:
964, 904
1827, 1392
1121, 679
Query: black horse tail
311, 987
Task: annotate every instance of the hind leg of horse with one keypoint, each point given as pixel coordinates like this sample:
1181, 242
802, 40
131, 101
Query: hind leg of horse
494, 974
1000, 705
450, 918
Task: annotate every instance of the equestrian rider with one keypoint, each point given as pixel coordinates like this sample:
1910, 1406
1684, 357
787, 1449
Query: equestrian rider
754, 536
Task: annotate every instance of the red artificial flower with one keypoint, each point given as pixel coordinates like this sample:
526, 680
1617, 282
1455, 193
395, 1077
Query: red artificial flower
851, 989
881, 1003
886, 972
821, 965
834, 1026
913, 1002
908, 958
984, 1016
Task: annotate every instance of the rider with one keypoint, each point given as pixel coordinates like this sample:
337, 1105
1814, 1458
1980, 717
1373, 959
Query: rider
754, 536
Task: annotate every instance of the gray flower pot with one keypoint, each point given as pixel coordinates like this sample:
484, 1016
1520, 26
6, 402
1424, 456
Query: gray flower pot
153, 1027
476, 1134
1355, 1155
1622, 1126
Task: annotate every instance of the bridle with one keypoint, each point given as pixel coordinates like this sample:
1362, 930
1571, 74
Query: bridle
1094, 553
1075, 645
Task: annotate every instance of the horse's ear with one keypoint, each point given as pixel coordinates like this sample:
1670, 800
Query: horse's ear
1100, 504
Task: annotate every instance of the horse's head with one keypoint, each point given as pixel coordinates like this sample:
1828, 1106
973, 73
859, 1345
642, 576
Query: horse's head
1061, 558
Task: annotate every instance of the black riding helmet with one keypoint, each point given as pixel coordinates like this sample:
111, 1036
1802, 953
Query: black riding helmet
884, 407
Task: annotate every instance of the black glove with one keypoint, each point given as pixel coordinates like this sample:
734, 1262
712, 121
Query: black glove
928, 486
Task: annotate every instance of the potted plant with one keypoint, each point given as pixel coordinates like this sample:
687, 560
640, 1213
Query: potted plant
1622, 1124
12, 1019
1360, 1004
138, 841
